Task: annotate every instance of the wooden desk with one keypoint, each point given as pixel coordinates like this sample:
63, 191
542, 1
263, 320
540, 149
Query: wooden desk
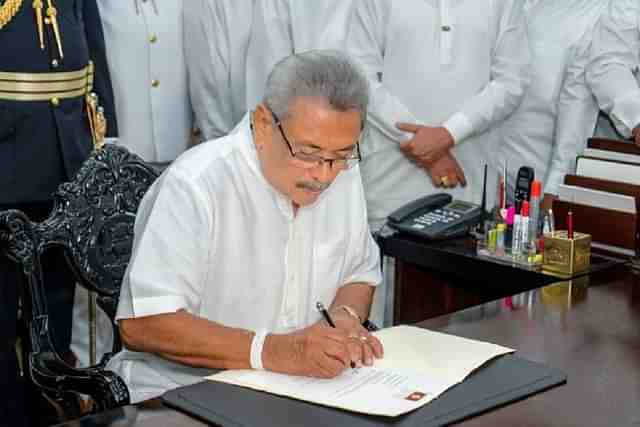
592, 333
436, 278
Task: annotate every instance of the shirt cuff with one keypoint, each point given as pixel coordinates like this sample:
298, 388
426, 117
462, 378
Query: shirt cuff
459, 126
626, 115
554, 179
152, 306
372, 278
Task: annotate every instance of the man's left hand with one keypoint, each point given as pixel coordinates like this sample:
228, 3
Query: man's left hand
364, 347
428, 144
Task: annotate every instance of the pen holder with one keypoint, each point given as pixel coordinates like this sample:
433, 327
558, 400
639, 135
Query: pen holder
566, 256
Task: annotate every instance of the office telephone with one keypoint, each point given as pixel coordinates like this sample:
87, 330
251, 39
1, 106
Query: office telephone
436, 217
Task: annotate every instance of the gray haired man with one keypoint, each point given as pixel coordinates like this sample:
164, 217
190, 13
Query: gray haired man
237, 242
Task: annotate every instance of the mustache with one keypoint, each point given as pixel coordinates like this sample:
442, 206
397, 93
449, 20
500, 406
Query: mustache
312, 185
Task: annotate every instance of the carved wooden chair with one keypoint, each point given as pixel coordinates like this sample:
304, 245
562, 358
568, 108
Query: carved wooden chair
92, 220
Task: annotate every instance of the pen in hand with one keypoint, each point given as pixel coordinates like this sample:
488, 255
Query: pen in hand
325, 314
329, 320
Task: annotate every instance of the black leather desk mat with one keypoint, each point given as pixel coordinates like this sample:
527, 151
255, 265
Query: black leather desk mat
501, 381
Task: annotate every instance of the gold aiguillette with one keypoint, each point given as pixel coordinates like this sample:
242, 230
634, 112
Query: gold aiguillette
52, 14
37, 7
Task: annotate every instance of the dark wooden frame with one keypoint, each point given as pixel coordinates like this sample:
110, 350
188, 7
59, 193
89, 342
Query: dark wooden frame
92, 221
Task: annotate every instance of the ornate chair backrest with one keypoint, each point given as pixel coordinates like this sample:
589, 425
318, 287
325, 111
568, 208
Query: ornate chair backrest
92, 220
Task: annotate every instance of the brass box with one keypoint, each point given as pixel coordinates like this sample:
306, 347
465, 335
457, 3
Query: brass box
566, 256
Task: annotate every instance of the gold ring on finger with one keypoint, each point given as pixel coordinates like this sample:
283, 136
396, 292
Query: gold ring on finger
444, 180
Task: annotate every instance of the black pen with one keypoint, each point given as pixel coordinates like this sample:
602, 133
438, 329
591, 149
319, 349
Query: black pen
325, 314
328, 319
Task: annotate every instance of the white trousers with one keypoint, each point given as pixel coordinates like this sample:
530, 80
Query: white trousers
80, 329
382, 306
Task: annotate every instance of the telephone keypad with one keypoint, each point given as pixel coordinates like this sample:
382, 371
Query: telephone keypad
438, 216
436, 222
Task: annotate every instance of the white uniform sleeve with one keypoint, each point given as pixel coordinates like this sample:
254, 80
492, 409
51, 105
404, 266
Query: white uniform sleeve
363, 265
168, 263
206, 46
366, 44
577, 116
509, 77
614, 60
271, 40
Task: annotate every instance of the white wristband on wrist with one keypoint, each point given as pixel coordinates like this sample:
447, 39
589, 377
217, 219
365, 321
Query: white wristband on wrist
255, 356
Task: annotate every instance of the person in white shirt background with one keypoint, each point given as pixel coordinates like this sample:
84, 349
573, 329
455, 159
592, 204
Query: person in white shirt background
557, 114
444, 74
239, 238
144, 40
612, 73
216, 38
284, 27
149, 74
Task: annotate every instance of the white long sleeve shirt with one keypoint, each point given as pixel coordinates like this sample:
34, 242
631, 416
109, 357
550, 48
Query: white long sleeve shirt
558, 112
148, 72
459, 64
284, 27
613, 71
216, 34
214, 238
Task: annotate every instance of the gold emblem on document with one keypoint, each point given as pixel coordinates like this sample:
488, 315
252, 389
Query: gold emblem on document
8, 10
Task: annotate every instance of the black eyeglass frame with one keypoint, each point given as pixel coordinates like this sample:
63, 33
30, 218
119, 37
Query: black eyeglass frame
319, 159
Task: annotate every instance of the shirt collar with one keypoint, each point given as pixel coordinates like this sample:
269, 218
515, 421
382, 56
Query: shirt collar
248, 150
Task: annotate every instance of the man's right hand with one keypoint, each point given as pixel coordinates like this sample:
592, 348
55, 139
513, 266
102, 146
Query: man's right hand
445, 172
317, 351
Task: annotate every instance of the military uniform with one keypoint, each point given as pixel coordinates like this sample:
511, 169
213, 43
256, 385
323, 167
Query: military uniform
51, 59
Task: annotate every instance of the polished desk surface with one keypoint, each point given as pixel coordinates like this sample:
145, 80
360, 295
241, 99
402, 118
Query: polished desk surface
434, 278
460, 257
590, 332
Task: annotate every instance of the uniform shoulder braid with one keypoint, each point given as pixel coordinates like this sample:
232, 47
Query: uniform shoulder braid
8, 9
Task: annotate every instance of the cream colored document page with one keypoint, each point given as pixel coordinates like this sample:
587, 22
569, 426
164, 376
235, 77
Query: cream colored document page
417, 367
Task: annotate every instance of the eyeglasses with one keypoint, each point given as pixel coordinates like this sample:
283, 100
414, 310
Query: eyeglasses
307, 157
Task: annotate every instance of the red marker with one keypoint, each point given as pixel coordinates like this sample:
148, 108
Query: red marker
570, 225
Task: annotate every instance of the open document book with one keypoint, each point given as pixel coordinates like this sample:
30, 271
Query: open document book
418, 366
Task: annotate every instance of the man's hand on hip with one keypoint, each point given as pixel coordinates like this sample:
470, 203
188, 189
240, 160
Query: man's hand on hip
428, 144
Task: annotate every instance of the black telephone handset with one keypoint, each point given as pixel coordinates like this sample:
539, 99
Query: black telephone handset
523, 186
435, 217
